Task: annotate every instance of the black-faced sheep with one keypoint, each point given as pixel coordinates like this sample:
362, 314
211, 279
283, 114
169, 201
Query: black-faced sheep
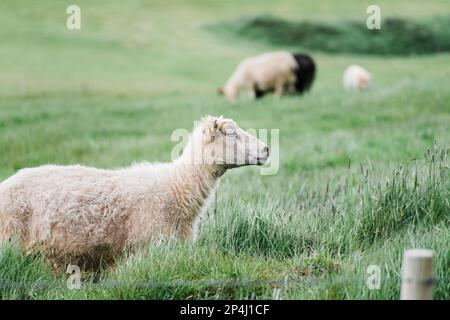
356, 78
280, 72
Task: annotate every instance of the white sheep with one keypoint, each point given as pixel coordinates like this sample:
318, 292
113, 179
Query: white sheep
280, 71
356, 77
82, 215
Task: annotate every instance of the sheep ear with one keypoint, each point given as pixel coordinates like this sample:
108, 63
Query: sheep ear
207, 122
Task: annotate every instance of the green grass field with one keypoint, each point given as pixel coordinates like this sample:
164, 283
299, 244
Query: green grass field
363, 176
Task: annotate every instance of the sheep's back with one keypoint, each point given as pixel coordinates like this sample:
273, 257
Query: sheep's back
70, 209
266, 69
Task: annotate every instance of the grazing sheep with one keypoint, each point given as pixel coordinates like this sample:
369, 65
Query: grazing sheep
88, 216
281, 72
356, 77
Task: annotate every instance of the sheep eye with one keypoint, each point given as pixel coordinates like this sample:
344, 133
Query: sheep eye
230, 133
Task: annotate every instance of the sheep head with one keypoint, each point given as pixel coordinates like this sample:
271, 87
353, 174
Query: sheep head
225, 144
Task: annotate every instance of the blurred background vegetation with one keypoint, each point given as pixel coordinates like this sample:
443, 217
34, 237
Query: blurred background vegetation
363, 176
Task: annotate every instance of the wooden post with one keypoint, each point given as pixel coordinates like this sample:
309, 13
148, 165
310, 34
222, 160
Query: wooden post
417, 275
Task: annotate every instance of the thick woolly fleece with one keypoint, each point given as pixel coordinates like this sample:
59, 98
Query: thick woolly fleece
89, 216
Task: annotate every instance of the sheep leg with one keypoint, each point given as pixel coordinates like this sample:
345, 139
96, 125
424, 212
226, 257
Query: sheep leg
258, 93
279, 88
252, 94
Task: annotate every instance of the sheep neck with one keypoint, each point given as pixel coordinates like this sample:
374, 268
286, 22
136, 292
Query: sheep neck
191, 191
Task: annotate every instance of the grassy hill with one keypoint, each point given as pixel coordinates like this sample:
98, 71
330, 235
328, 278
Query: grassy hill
363, 176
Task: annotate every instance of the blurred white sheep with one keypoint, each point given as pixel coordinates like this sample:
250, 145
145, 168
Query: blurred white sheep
356, 78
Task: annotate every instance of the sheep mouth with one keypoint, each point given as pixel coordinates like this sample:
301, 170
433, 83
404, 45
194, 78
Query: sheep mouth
261, 161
